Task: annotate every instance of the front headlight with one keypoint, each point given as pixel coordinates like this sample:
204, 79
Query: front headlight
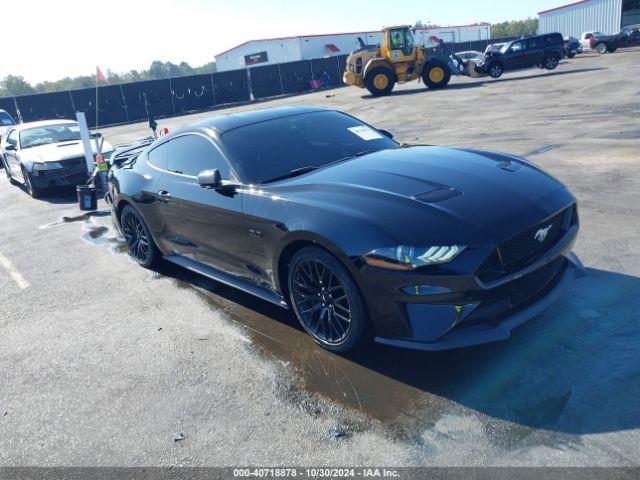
409, 258
40, 167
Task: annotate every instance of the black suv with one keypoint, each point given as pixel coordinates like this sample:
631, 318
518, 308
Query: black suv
544, 51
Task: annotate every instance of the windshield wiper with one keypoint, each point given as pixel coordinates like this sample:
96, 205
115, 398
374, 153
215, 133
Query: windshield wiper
291, 173
355, 155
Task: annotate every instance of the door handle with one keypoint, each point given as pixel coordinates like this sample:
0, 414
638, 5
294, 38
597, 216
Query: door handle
164, 194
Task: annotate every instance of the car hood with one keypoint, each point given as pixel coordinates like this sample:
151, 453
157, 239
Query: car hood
478, 195
59, 151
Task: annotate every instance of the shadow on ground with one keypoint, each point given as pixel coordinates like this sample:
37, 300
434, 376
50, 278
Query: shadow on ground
54, 195
481, 82
574, 369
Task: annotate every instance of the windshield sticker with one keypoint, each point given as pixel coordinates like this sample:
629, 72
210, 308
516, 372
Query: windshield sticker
365, 133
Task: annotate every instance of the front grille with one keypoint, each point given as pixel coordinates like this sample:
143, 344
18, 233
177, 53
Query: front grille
74, 162
520, 251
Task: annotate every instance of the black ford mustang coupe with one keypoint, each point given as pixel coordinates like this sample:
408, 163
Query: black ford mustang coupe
311, 209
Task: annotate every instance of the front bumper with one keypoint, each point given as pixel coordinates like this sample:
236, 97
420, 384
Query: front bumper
470, 332
439, 311
63, 177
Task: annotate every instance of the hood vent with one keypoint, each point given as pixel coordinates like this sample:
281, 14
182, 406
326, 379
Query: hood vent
437, 195
509, 166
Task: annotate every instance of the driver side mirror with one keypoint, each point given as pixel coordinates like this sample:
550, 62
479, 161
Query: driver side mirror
210, 178
386, 133
10, 147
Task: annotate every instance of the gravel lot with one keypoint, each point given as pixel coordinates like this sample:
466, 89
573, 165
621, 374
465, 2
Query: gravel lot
105, 363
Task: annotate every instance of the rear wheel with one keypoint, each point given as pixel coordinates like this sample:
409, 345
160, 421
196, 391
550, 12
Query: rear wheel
495, 70
571, 54
601, 48
550, 62
34, 191
380, 81
436, 74
326, 300
140, 244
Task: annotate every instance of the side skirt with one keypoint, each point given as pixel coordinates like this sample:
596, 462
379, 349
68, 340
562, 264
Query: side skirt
230, 280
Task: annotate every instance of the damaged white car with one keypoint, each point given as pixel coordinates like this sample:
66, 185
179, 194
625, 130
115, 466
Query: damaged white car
45, 154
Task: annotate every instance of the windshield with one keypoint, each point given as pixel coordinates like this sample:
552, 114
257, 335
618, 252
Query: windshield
36, 136
504, 47
5, 119
271, 149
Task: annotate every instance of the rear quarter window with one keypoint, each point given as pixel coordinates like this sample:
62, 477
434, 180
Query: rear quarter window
158, 157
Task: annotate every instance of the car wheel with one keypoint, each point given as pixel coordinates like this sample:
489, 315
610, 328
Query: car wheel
32, 190
326, 300
571, 54
550, 62
436, 74
380, 81
496, 70
140, 244
601, 48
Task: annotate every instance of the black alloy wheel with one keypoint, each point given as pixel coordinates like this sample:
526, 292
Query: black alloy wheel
495, 70
550, 62
326, 300
139, 242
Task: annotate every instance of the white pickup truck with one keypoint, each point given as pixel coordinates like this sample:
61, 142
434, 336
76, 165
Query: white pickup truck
585, 40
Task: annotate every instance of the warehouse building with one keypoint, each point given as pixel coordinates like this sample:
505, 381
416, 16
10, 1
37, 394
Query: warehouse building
307, 47
606, 16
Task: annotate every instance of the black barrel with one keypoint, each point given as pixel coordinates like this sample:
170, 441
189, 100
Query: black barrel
87, 198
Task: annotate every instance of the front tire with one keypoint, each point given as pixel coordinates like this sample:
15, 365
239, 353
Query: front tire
326, 300
380, 81
34, 191
601, 48
495, 70
436, 74
140, 244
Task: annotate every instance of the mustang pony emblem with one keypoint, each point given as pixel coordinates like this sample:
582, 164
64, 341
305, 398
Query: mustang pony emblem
542, 233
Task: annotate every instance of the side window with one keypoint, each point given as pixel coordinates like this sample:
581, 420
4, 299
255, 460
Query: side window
191, 154
12, 139
535, 42
158, 157
397, 39
517, 46
588, 36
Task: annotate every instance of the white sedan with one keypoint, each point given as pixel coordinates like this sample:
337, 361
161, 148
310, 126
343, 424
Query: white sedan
46, 153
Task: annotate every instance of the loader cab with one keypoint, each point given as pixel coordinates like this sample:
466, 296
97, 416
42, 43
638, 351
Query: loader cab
399, 44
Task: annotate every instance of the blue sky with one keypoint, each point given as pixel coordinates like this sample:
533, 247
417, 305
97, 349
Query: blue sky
58, 40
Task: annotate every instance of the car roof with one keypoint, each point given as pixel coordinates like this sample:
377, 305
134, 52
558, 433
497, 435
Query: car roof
44, 123
224, 123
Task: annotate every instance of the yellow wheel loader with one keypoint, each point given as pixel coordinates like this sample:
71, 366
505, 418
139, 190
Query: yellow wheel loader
399, 60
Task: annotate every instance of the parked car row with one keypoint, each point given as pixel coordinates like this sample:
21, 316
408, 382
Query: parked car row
45, 154
628, 36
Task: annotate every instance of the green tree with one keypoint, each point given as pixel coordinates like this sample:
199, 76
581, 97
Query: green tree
515, 28
15, 85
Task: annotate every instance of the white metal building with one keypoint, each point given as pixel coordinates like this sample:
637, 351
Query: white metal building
606, 16
305, 47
